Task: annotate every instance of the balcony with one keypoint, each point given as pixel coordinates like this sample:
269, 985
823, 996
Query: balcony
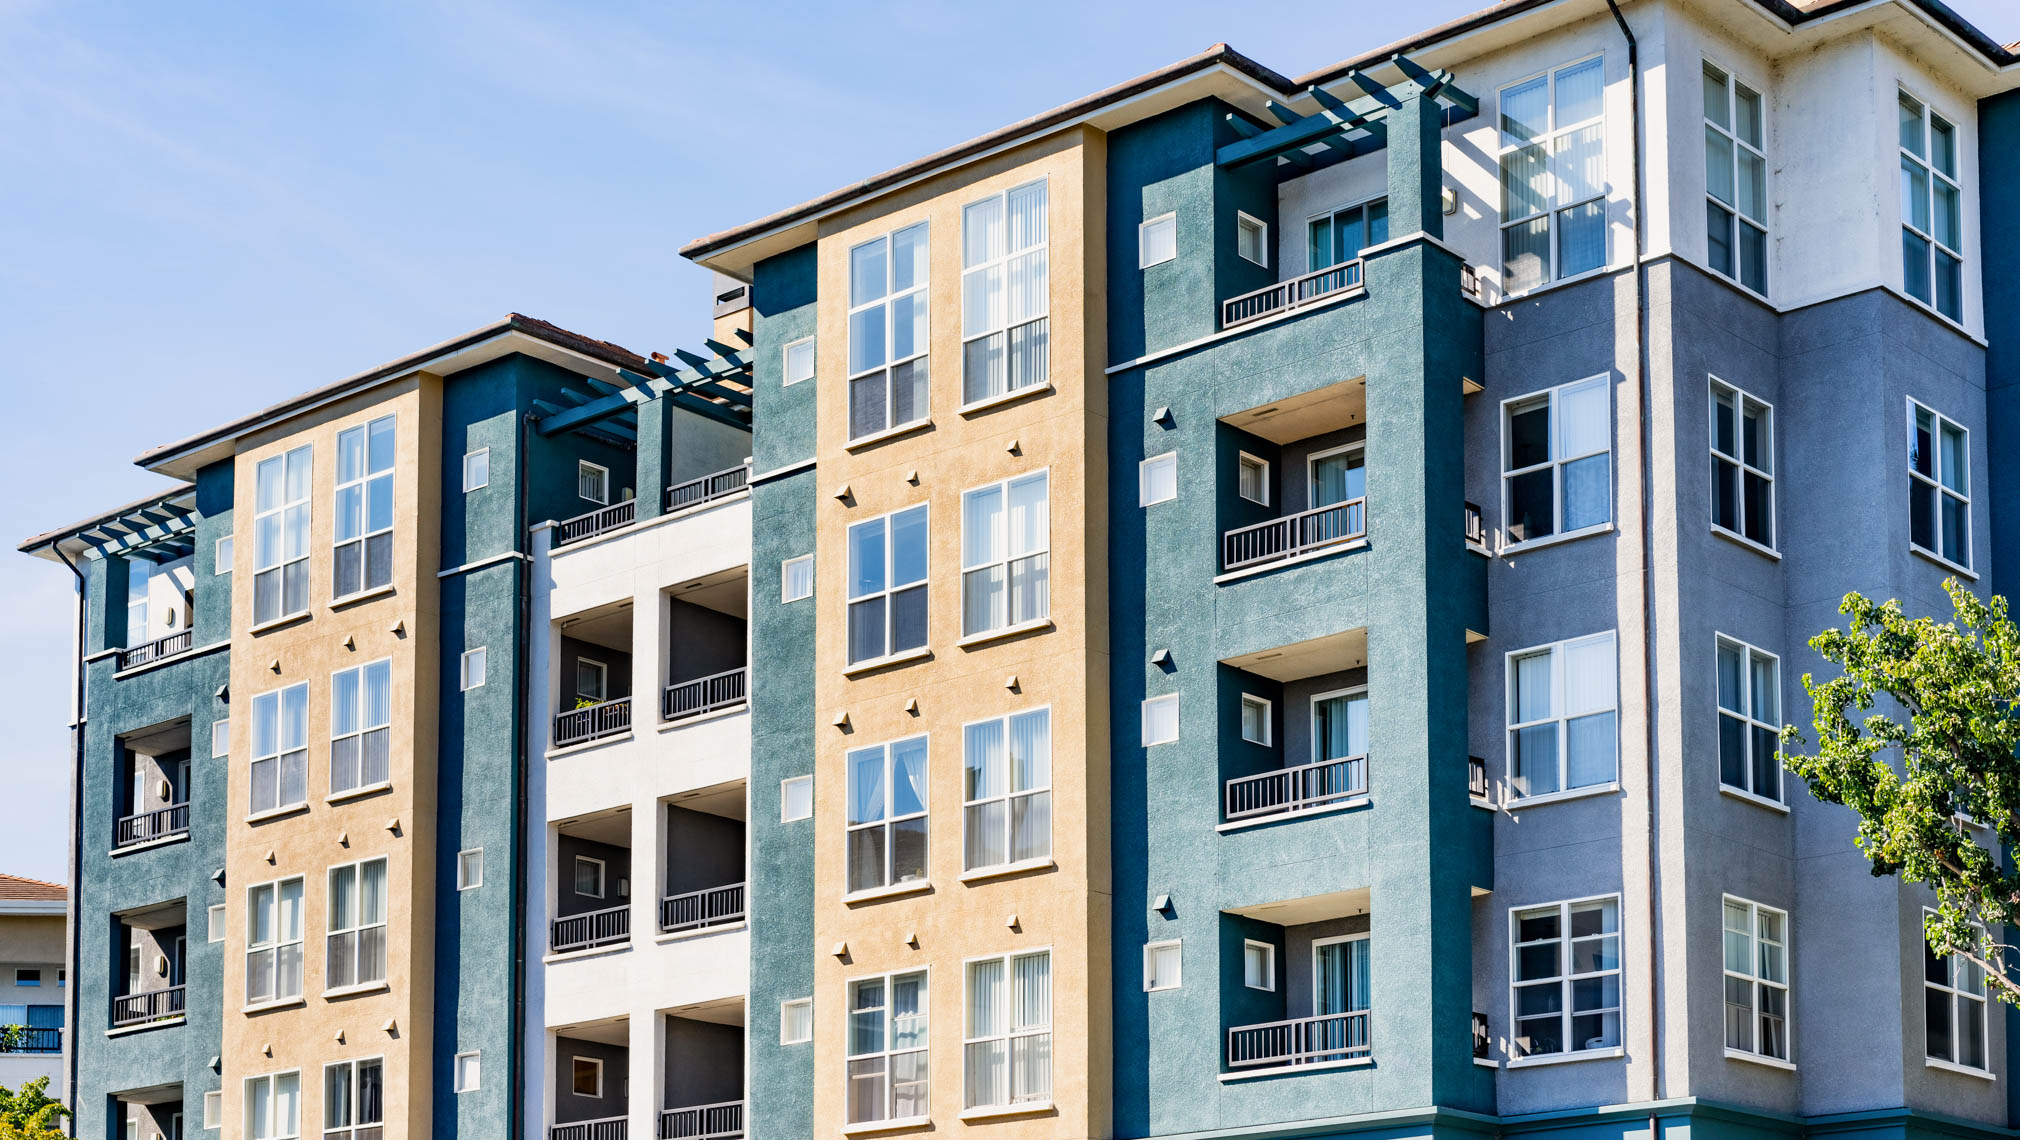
1294, 535
32, 1038
152, 1005
592, 1077
1289, 296
1303, 730
705, 854
591, 929
1298, 469
148, 826
1300, 1041
160, 649
716, 906
151, 943
592, 882
707, 489
592, 722
706, 634
704, 695
1306, 964
592, 675
151, 787
702, 1122
588, 525
1301, 788
703, 1091
606, 1128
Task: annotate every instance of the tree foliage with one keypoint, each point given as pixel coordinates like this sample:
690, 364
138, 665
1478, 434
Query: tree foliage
1918, 736
29, 1113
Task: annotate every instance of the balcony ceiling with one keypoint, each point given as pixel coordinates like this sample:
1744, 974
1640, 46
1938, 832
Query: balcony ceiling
1332, 653
604, 1031
612, 827
609, 626
160, 739
726, 592
721, 1011
1311, 908
1303, 416
725, 800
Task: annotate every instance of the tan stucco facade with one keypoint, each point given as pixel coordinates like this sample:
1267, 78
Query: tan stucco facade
1064, 666
396, 821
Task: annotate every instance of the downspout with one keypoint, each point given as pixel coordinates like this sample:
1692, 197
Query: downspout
71, 925
1646, 507
521, 694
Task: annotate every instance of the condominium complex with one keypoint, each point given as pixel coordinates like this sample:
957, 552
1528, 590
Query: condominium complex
32, 983
1236, 607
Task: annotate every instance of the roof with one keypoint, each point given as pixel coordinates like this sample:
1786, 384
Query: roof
17, 888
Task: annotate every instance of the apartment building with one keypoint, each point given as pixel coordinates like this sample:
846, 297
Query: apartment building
33, 979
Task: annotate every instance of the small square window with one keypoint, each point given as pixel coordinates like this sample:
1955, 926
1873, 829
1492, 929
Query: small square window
800, 360
1157, 241
27, 977
216, 915
796, 798
473, 668
587, 1077
477, 469
796, 578
592, 481
222, 562
1157, 479
589, 877
469, 1072
213, 1109
1251, 238
220, 737
470, 869
1160, 720
1253, 479
796, 1021
1258, 965
1161, 962
1255, 720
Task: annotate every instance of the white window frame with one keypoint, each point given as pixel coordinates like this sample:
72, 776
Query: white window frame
1953, 181
471, 461
352, 1129
221, 555
213, 1109
887, 301
356, 932
1758, 982
1956, 995
278, 561
362, 483
595, 1065
1731, 134
1007, 795
1268, 719
280, 757
1742, 402
586, 471
1942, 490
788, 1010
268, 1129
1564, 979
1748, 720
1357, 778
889, 589
887, 1033
786, 361
214, 923
1319, 944
473, 666
887, 816
220, 738
1552, 208
1037, 562
1144, 231
1144, 473
602, 877
1365, 207
282, 938
1170, 699
1243, 220
602, 678
1151, 982
468, 1077
1559, 716
1242, 460
999, 324
465, 860
361, 731
787, 569
1554, 463
1269, 959
1009, 1034
785, 798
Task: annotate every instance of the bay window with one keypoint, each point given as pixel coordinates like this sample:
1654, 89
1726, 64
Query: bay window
1932, 212
1742, 465
1564, 971
1939, 486
1735, 180
1553, 176
1749, 720
1756, 979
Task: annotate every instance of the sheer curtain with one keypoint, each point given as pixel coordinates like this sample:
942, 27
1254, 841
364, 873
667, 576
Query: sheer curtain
984, 841
1031, 780
1591, 691
988, 1069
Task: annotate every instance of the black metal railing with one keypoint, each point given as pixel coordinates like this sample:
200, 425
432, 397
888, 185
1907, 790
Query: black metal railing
586, 931
1292, 535
697, 909
1284, 296
606, 1128
602, 520
154, 1005
1476, 777
702, 1122
1300, 1041
715, 485
159, 649
1295, 789
147, 826
33, 1039
684, 699
591, 722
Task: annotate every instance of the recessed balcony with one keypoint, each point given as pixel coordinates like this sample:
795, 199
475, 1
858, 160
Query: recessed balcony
592, 675
592, 1079
1303, 733
592, 883
703, 1094
152, 943
1305, 983
1298, 467
707, 644
153, 785
704, 883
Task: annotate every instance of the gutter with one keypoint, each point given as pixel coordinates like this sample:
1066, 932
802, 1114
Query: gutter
71, 924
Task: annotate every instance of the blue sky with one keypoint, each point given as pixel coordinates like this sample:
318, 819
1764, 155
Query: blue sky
208, 206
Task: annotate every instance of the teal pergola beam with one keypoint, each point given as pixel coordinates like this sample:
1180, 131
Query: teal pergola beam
1345, 127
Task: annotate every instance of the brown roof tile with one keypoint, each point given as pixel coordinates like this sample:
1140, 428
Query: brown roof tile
16, 887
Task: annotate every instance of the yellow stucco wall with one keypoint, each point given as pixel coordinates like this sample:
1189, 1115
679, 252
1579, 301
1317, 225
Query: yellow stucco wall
400, 624
1064, 432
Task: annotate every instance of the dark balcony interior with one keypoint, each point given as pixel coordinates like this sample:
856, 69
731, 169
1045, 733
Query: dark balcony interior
1291, 477
592, 882
1308, 750
704, 884
159, 585
151, 946
708, 647
151, 1114
1299, 984
592, 1080
41, 1024
592, 675
604, 481
703, 1094
152, 794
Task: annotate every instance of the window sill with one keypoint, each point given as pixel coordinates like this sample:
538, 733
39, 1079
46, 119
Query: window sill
868, 1127
1749, 797
1288, 816
1612, 1054
877, 437
1939, 560
349, 600
1517, 803
358, 793
1297, 560
356, 991
1961, 1070
277, 813
997, 401
1757, 1059
269, 1006
1481, 802
125, 1030
1005, 870
1486, 1062
895, 890
164, 841
1288, 1070
1559, 283
1739, 539
1004, 633
1554, 539
279, 622
876, 663
1007, 1111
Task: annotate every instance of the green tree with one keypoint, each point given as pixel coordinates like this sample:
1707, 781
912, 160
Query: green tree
29, 1114
1918, 736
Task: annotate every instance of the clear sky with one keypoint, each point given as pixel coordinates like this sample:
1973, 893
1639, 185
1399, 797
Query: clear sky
207, 207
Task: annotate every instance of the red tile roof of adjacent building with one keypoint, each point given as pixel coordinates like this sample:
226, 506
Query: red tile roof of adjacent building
16, 887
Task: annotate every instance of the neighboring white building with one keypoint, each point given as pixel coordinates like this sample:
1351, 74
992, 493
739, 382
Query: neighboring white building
32, 981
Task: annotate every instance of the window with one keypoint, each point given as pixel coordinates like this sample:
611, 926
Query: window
1756, 979
1251, 239
1340, 740
213, 1109
473, 668
888, 332
280, 748
796, 578
1339, 236
1749, 720
215, 920
887, 1072
1953, 1010
24, 976
273, 956
1007, 1031
887, 585
220, 738
469, 1072
589, 877
1161, 965
1007, 790
1160, 720
1564, 960
799, 360
470, 869
1735, 180
1005, 294
281, 535
1932, 226
1258, 965
361, 732
221, 556
139, 573
796, 1021
355, 954
1939, 486
1742, 465
1157, 241
591, 679
1557, 460
1006, 536
1157, 479
364, 507
586, 1076
1561, 702
273, 1106
1553, 176
796, 798
354, 1100
887, 814
1255, 720
1252, 480
477, 469
592, 481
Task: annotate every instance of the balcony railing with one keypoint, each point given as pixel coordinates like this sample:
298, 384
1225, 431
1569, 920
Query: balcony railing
34, 1039
1292, 535
1285, 296
1301, 1041
606, 1128
149, 826
154, 1005
702, 1122
596, 928
1476, 777
157, 650
1295, 789
602, 520
704, 695
591, 722
718, 485
696, 909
